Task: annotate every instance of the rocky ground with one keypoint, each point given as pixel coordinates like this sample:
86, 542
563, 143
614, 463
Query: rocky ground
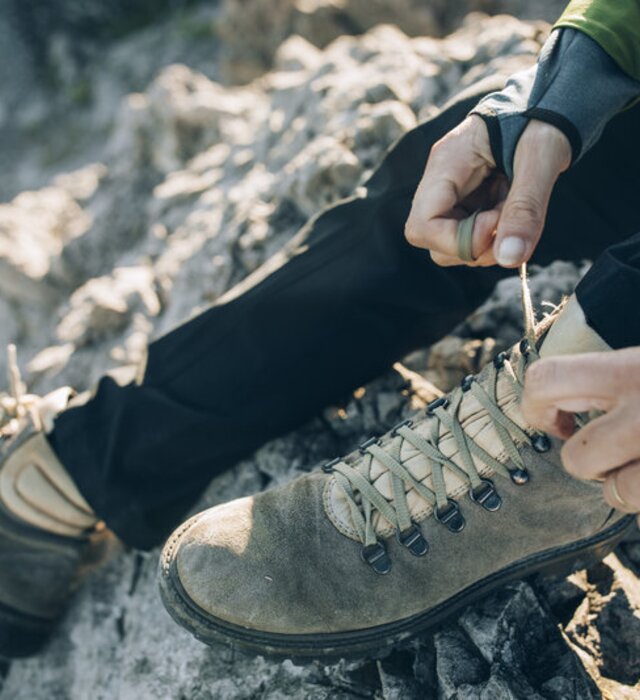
149, 180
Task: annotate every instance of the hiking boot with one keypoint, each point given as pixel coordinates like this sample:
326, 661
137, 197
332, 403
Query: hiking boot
49, 536
387, 542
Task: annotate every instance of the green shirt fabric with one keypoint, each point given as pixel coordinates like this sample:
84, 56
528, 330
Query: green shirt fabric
614, 24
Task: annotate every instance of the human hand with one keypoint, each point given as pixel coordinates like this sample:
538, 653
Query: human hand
461, 177
609, 446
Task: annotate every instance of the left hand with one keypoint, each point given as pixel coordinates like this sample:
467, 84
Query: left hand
461, 176
608, 447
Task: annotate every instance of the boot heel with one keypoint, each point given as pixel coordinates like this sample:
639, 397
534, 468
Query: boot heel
22, 635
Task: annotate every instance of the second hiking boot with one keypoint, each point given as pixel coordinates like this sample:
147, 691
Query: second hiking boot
49, 537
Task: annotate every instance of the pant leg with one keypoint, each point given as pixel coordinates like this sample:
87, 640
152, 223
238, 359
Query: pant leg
609, 294
337, 307
594, 206
348, 298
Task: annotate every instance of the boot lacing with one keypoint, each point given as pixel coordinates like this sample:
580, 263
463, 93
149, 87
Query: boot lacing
362, 496
17, 404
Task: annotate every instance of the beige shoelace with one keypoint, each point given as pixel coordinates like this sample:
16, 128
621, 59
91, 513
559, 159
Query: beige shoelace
364, 499
15, 404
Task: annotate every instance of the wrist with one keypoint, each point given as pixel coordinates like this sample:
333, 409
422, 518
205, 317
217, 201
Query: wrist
547, 140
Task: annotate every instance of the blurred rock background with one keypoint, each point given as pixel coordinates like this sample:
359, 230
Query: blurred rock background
153, 154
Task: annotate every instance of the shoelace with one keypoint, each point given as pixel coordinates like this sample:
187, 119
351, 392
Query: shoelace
17, 403
364, 499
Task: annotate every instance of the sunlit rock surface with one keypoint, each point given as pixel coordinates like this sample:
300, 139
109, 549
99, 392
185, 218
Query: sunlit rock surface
149, 188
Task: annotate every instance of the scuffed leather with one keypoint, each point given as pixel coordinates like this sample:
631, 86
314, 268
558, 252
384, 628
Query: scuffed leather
275, 562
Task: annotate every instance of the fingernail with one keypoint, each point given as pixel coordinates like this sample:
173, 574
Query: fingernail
511, 251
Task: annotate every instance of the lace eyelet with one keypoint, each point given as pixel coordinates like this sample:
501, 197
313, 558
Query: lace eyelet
413, 539
376, 556
369, 443
450, 516
404, 424
519, 476
500, 359
328, 467
467, 382
442, 402
541, 443
486, 496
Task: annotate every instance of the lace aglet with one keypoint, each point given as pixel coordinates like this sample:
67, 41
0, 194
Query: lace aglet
527, 306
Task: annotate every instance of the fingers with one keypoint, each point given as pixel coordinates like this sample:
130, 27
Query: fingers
458, 164
445, 231
622, 488
543, 152
608, 381
572, 383
459, 169
486, 259
603, 445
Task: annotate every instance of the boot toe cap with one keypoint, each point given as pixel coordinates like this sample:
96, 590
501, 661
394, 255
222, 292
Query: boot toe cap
256, 563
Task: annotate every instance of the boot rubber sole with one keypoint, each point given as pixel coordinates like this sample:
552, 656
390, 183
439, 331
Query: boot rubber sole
22, 635
380, 640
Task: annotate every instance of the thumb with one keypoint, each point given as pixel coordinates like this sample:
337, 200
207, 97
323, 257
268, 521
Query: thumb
543, 152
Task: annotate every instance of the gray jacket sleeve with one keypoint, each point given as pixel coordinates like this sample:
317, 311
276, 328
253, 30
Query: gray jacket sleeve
575, 85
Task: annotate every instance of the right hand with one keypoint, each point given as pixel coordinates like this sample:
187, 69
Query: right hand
461, 176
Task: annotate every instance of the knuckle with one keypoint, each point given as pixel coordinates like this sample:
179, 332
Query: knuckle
412, 235
524, 207
439, 146
438, 258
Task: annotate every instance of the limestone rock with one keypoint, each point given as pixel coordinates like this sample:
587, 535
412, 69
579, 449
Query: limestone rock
268, 22
34, 228
320, 174
105, 305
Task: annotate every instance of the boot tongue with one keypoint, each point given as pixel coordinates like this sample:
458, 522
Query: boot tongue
48, 407
570, 334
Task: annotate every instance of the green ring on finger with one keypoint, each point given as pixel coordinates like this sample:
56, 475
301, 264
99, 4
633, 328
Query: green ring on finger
465, 237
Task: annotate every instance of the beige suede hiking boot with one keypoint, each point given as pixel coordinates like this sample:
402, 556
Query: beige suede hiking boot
49, 536
394, 538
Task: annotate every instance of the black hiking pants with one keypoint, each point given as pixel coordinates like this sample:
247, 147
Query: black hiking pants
347, 298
